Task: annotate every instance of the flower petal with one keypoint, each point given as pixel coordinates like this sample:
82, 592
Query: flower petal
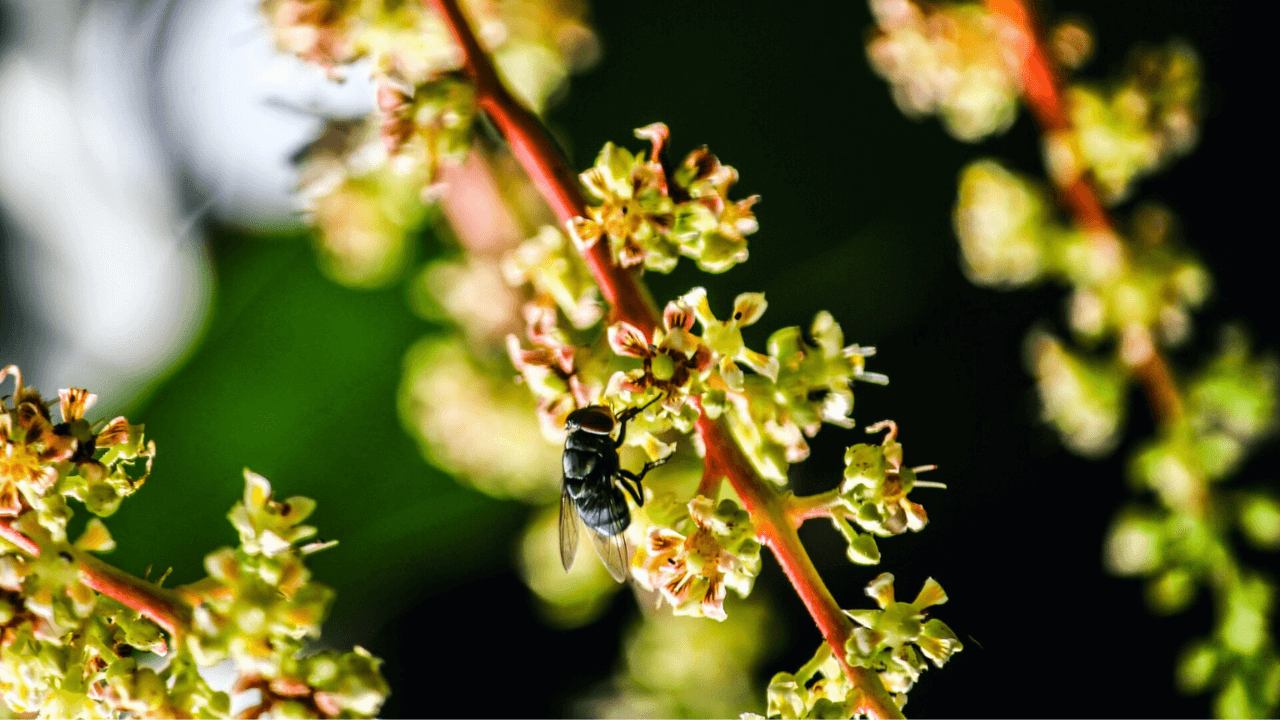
917, 518
677, 315
697, 299
881, 589
731, 373
626, 339
74, 401
931, 594
116, 432
702, 358
257, 490
748, 308
585, 232
656, 133
761, 363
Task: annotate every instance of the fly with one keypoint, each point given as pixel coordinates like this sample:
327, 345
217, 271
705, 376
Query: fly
594, 481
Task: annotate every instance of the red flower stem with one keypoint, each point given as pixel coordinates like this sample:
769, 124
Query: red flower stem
15, 536
799, 509
156, 604
630, 302
539, 156
1042, 89
709, 485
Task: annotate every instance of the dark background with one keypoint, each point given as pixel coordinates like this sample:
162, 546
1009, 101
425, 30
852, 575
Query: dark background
296, 378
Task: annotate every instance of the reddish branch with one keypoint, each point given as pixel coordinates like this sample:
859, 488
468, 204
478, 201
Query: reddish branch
15, 536
1042, 89
630, 302
154, 603
808, 507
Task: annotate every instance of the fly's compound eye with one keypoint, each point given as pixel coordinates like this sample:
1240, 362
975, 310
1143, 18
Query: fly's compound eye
594, 419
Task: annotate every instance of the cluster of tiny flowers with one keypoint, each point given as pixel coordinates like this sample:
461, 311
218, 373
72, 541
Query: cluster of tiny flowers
1009, 238
950, 59
561, 375
1128, 298
1185, 543
564, 599
455, 406
42, 462
680, 667
815, 374
1082, 397
873, 494
692, 569
66, 651
804, 380
651, 212
1139, 294
260, 607
820, 689
1129, 129
556, 273
365, 183
889, 641
693, 363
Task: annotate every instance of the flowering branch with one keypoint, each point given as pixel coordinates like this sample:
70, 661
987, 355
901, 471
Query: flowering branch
538, 155
630, 302
1009, 238
1042, 90
154, 603
157, 604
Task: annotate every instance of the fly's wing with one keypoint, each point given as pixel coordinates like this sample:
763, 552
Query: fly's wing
568, 529
614, 552
613, 549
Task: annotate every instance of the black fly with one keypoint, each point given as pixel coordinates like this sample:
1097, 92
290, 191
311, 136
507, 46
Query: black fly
593, 485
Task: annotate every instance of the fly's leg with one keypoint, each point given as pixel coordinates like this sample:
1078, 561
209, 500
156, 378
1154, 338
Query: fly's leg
629, 482
634, 479
626, 415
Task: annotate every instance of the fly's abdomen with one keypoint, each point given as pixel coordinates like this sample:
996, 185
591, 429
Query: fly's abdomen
605, 512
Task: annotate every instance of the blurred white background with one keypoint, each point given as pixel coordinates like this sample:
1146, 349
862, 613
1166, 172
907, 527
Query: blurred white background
122, 125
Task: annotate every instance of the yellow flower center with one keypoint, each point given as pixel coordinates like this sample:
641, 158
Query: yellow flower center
662, 367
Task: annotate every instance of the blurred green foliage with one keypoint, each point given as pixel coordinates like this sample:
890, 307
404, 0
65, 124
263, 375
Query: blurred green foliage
296, 378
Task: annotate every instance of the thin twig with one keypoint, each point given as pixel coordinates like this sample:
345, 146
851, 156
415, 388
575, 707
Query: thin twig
1042, 89
807, 507
15, 536
631, 303
161, 606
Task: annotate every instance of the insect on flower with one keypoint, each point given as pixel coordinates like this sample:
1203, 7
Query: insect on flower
593, 485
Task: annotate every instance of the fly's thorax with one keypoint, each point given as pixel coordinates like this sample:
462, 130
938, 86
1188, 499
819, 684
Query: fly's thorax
590, 442
594, 419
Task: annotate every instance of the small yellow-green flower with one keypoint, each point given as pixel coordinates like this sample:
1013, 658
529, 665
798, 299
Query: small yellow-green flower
724, 338
886, 640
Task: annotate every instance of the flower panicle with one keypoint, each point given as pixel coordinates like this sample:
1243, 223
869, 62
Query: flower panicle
259, 607
68, 651
953, 60
367, 183
652, 212
42, 461
1132, 288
